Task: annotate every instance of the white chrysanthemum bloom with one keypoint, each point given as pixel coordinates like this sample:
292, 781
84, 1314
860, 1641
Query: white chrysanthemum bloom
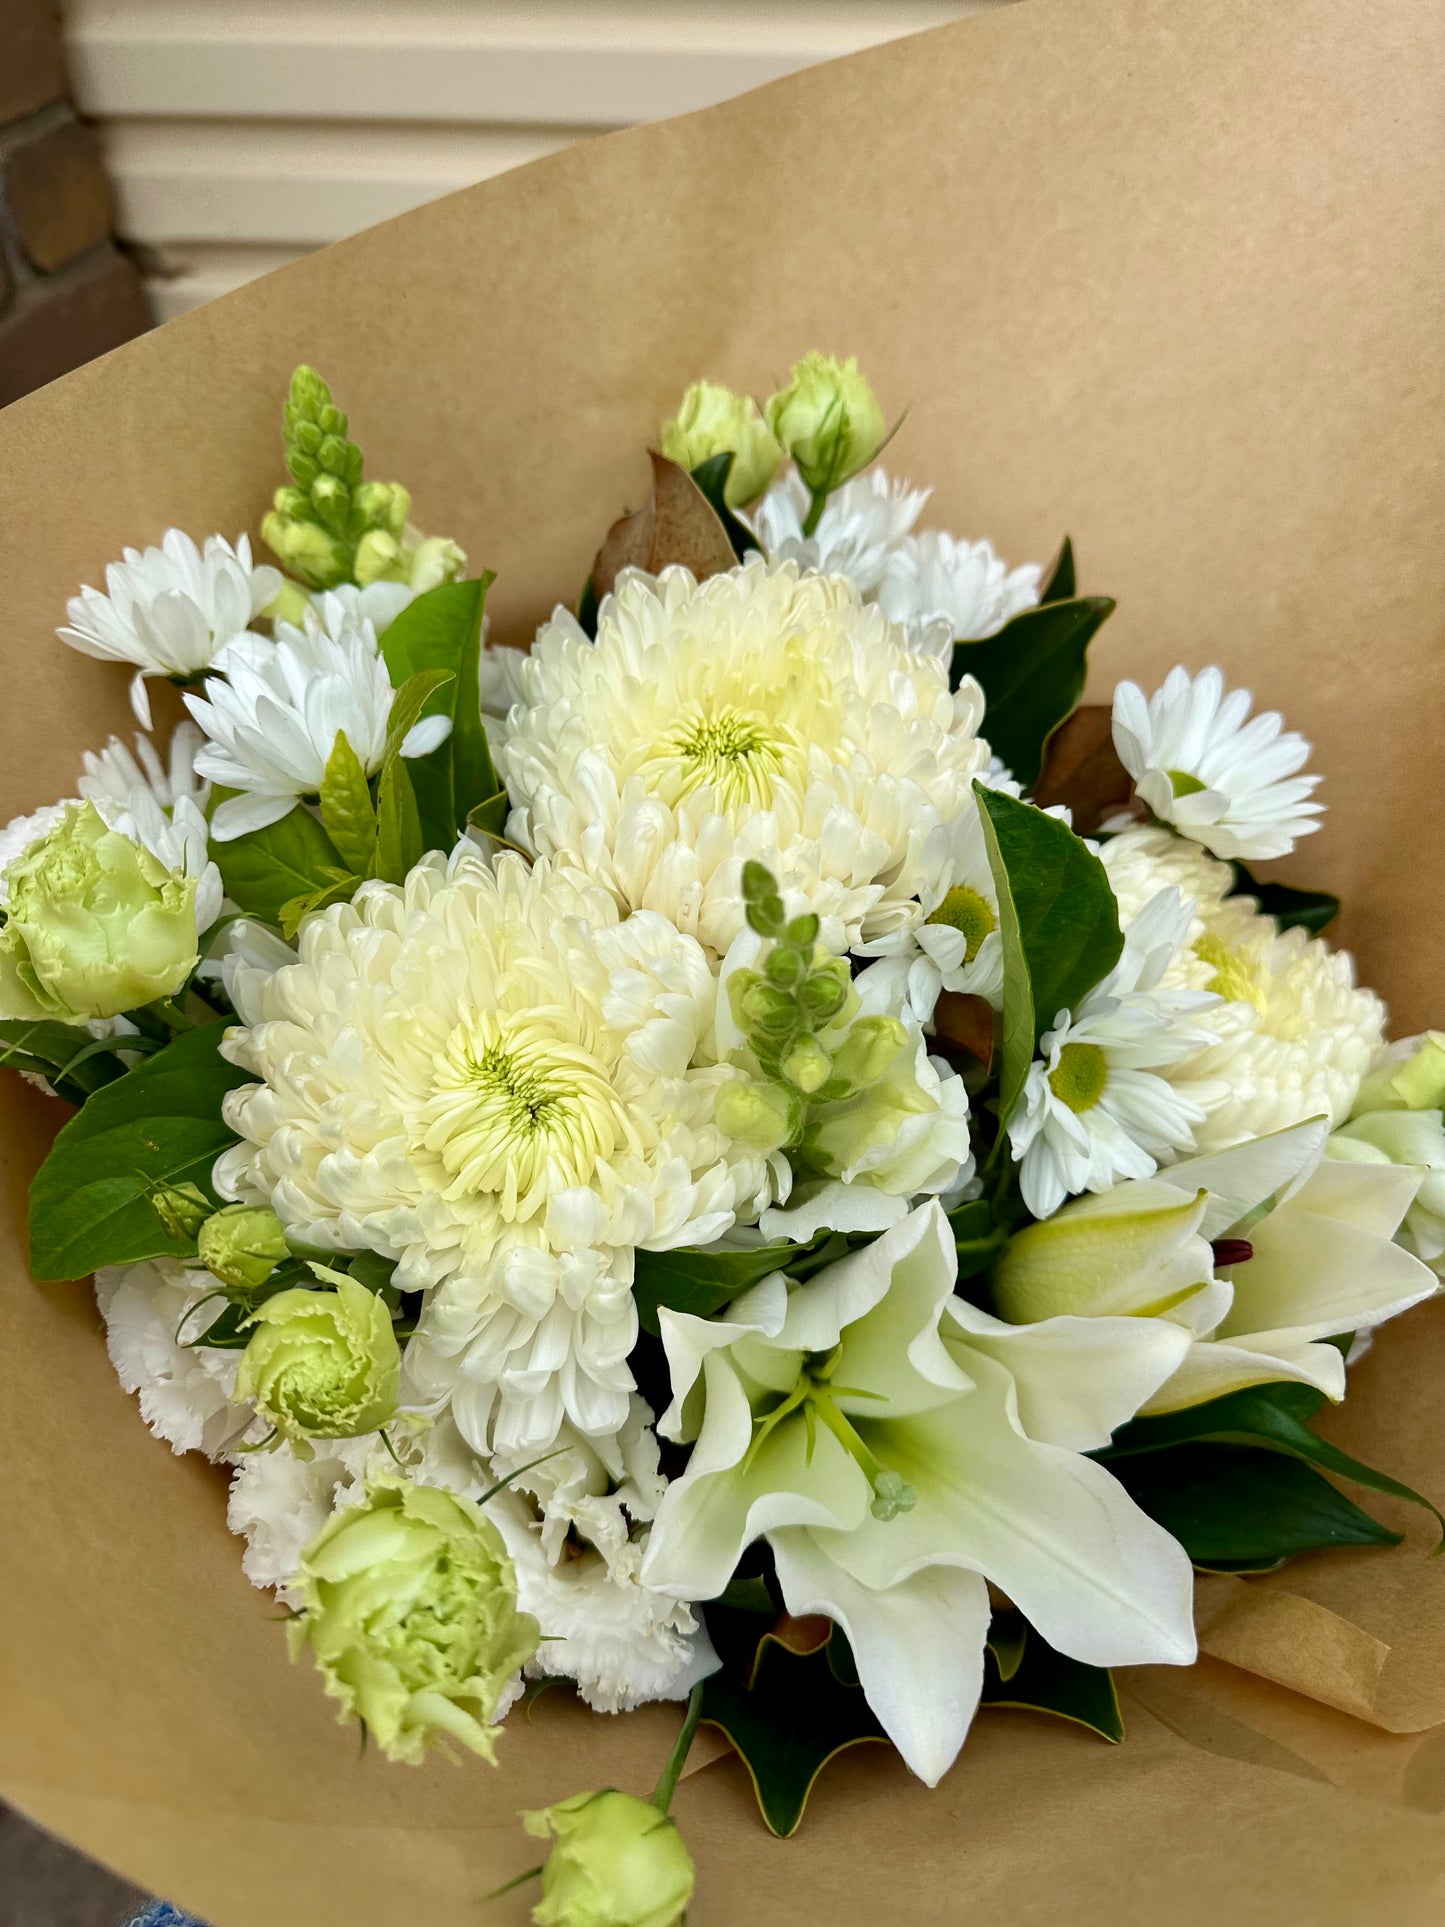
1095, 1108
500, 676
862, 524
113, 774
379, 603
185, 1389
934, 584
171, 610
487, 1076
1294, 1035
759, 714
273, 721
1227, 783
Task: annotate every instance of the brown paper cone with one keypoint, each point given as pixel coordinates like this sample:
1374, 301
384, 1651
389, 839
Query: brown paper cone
1166, 275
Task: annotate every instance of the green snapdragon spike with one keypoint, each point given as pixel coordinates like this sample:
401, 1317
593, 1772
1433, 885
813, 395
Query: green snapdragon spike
329, 525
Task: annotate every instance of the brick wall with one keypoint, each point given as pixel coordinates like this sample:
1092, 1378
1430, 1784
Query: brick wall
66, 292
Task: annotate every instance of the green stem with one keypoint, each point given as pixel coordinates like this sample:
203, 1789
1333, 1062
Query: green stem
815, 511
662, 1793
171, 1015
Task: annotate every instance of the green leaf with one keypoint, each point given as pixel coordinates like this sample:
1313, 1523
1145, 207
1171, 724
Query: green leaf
1238, 1508
490, 817
1059, 584
1044, 1681
399, 840
72, 1062
159, 1124
749, 1595
1008, 1633
409, 705
1032, 675
265, 869
1310, 910
339, 888
1268, 1415
701, 1279
711, 477
1058, 920
787, 1725
348, 814
442, 630
978, 1238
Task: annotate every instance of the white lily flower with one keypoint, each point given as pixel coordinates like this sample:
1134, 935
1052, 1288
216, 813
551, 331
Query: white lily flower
171, 610
899, 1449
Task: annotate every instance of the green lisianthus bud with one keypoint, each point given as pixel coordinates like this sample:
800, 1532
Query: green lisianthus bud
242, 1244
761, 1115
322, 1364
616, 1862
711, 421
96, 924
411, 1616
181, 1208
829, 421
1408, 1076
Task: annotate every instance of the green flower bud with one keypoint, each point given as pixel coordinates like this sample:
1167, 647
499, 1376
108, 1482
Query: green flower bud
1409, 1077
762, 1116
616, 1862
807, 1065
319, 558
866, 1052
242, 1245
331, 499
714, 421
379, 558
767, 1007
384, 505
787, 965
322, 1364
289, 604
434, 560
411, 1616
181, 1208
96, 925
866, 1132
822, 997
1134, 1251
829, 421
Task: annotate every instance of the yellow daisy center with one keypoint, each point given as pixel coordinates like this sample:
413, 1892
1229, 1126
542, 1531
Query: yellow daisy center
965, 911
1079, 1077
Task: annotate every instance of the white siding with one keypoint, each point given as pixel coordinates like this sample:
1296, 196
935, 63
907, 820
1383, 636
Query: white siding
240, 137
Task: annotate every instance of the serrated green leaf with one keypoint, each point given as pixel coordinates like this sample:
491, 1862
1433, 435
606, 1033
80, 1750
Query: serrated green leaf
265, 869
442, 630
1268, 1415
399, 842
1059, 584
1238, 1508
1309, 910
701, 1279
1032, 676
1045, 1681
348, 814
159, 1124
711, 477
1058, 920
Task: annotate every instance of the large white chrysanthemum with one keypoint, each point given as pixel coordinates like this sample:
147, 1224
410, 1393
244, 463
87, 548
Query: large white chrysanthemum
861, 526
1295, 1033
185, 1389
487, 1076
760, 714
170, 610
936, 585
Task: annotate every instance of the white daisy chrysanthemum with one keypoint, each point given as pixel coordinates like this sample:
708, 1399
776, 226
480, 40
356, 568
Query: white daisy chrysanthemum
487, 1076
1229, 784
760, 714
1095, 1108
1294, 1034
185, 1389
273, 713
113, 774
379, 603
935, 586
862, 524
171, 610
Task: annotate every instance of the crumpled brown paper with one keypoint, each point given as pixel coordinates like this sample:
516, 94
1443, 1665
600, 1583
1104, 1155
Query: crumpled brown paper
1167, 275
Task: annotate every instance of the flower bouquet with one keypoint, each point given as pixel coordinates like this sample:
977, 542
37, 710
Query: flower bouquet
754, 1154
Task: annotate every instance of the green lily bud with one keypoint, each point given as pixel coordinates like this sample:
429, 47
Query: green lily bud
1134, 1251
322, 1364
763, 1116
242, 1245
711, 421
96, 924
616, 1862
411, 1616
181, 1208
829, 421
807, 1065
1410, 1076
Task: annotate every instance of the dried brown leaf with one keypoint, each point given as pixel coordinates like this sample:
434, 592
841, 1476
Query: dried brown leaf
677, 524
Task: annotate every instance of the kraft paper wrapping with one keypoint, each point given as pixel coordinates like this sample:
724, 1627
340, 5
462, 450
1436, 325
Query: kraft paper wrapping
1167, 274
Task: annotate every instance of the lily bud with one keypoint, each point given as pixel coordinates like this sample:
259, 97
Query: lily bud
1135, 1251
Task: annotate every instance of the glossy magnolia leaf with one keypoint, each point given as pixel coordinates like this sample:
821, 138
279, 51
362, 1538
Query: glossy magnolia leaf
677, 524
711, 477
1058, 581
1083, 771
1058, 920
266, 869
1040, 1680
1272, 1415
701, 1279
1032, 676
1310, 910
1238, 1508
348, 814
787, 1725
159, 1124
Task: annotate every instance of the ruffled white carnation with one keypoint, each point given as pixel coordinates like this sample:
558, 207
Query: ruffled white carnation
759, 715
279, 1503
936, 585
171, 610
1295, 1033
185, 1390
487, 1076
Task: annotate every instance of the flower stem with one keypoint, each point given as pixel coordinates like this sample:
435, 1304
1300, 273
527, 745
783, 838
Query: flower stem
171, 1014
662, 1793
815, 511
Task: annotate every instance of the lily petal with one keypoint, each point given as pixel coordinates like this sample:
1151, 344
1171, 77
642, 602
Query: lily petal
1247, 1174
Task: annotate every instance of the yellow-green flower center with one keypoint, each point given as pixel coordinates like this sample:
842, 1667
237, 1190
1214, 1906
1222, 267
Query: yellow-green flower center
1183, 784
965, 911
1233, 979
813, 1398
739, 754
1079, 1077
